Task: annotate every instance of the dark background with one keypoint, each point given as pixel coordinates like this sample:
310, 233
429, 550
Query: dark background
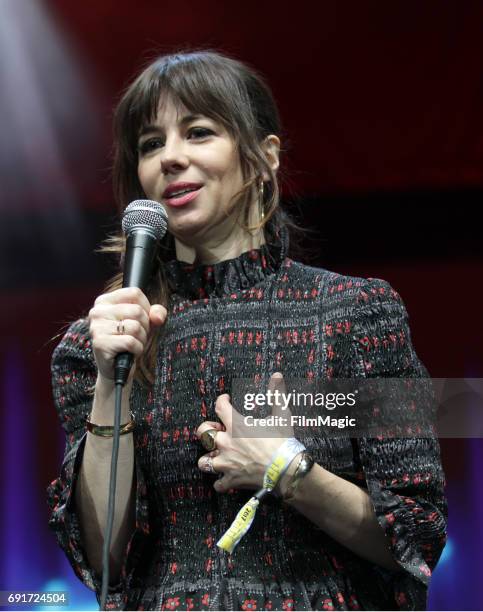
382, 106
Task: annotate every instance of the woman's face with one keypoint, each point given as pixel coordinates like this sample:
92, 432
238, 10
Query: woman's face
178, 148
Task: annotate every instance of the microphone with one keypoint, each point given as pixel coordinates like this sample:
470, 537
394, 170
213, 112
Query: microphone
145, 223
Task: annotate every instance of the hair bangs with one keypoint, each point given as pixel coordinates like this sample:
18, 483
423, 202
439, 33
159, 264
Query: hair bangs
193, 83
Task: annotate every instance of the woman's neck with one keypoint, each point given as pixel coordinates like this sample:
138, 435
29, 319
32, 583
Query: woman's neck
212, 252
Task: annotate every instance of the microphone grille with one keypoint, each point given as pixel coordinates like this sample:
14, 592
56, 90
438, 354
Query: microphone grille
147, 214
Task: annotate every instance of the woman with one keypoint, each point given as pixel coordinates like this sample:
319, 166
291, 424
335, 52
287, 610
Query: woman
360, 529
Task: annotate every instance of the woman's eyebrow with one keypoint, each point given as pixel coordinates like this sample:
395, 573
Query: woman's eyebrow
148, 129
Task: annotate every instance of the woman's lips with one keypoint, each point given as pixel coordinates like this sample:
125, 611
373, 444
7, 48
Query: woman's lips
182, 199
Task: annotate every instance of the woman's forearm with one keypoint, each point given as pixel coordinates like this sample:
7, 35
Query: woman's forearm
92, 490
344, 511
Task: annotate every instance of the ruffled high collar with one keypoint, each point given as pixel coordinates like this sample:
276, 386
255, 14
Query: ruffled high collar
198, 281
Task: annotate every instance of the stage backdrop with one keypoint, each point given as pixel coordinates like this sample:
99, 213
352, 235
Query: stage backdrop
383, 158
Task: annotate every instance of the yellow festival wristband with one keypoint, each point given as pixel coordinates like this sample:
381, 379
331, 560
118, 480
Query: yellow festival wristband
281, 459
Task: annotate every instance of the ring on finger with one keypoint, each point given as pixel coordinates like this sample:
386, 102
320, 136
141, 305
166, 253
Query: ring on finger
120, 328
208, 465
208, 439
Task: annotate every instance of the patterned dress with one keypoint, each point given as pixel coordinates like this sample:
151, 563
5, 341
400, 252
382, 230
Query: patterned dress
247, 318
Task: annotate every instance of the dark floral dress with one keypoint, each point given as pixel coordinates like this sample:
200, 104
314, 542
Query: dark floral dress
249, 317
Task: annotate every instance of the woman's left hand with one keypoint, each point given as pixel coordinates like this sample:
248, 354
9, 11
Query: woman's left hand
242, 460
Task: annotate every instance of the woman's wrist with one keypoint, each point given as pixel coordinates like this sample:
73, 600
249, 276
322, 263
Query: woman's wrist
104, 399
299, 470
286, 478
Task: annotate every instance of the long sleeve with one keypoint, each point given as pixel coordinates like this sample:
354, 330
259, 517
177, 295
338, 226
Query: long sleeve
404, 476
74, 375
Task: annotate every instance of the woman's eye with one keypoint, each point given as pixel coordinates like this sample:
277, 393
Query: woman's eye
149, 145
200, 132
153, 143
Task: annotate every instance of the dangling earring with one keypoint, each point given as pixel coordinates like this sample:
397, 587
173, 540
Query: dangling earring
261, 210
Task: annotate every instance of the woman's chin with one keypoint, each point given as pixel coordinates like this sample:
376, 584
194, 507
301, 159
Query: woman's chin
194, 227
187, 230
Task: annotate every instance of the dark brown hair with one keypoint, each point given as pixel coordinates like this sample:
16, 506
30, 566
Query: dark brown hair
224, 89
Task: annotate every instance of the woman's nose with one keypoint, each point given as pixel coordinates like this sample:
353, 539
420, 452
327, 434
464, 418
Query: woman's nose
173, 155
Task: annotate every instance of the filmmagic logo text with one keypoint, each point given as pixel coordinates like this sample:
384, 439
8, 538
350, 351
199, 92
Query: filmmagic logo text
300, 421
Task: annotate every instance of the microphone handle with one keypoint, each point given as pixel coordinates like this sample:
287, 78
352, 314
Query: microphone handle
141, 248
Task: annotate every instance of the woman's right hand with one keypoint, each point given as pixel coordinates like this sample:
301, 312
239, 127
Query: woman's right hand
130, 306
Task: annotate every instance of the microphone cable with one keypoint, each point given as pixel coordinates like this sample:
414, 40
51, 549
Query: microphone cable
106, 547
144, 223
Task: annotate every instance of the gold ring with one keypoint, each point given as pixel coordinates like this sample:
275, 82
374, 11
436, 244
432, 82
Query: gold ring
120, 328
208, 439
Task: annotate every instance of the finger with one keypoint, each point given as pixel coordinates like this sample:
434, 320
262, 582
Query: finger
224, 410
209, 425
125, 295
118, 312
158, 314
222, 440
223, 485
210, 463
109, 345
278, 391
130, 327
105, 333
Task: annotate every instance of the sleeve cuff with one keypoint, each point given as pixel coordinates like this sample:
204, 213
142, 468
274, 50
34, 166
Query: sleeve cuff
412, 514
64, 522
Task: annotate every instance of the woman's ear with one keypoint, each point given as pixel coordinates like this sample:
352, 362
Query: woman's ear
271, 148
